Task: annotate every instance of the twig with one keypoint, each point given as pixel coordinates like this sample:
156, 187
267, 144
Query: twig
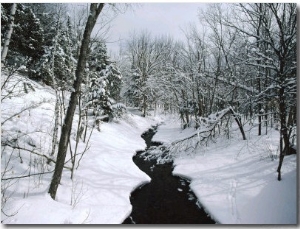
25, 109
32, 151
29, 175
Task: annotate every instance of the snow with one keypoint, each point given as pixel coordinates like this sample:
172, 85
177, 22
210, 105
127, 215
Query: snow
104, 181
100, 190
235, 180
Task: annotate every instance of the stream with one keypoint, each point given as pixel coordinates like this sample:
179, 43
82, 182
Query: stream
167, 199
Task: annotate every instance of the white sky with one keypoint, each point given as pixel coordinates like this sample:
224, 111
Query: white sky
157, 18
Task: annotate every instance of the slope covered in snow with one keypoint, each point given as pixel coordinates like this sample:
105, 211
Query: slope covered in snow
100, 190
235, 180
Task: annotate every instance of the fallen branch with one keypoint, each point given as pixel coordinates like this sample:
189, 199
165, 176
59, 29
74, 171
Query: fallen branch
213, 125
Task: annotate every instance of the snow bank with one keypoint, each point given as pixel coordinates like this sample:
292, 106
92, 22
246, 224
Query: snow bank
236, 180
100, 190
102, 185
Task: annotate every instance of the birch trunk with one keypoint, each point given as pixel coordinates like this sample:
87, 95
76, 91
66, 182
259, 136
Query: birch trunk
8, 35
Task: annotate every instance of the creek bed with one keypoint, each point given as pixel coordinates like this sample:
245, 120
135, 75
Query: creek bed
167, 199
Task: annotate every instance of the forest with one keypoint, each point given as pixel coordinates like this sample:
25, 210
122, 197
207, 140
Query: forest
61, 89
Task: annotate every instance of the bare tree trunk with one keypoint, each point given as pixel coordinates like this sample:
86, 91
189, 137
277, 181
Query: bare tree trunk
95, 10
259, 48
144, 105
55, 86
10, 30
281, 157
56, 123
238, 121
259, 118
85, 124
284, 139
78, 135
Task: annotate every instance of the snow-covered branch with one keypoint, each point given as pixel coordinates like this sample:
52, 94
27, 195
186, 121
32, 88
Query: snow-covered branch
212, 121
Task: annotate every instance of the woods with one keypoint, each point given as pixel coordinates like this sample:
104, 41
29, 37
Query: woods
236, 67
250, 65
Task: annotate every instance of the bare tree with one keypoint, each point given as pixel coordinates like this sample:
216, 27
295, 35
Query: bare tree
95, 10
273, 25
146, 55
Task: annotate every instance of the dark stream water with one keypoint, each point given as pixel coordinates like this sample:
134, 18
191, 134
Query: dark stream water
167, 199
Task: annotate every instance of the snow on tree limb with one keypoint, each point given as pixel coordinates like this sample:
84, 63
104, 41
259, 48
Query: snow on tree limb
214, 119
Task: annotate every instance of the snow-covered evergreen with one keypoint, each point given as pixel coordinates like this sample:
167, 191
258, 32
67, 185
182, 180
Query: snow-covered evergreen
27, 38
103, 83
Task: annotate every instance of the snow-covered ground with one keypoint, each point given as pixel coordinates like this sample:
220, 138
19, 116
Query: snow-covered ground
100, 190
236, 180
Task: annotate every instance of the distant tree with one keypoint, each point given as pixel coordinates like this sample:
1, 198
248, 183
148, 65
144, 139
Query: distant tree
103, 82
140, 48
48, 14
146, 56
58, 60
132, 88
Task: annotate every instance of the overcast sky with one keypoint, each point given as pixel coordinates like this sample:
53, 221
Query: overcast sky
157, 18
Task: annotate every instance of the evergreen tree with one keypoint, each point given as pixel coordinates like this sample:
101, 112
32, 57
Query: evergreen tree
133, 93
114, 77
58, 61
103, 80
27, 38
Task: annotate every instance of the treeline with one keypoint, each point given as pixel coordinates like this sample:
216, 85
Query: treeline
239, 55
45, 43
242, 56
